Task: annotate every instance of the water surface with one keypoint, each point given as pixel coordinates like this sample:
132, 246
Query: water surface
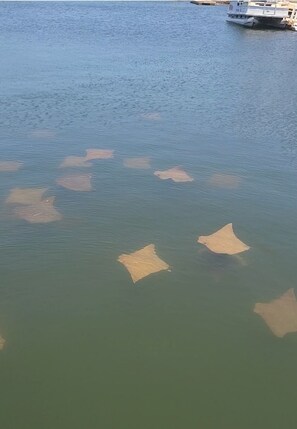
85, 347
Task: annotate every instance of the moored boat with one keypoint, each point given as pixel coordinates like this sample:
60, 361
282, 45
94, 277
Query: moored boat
258, 13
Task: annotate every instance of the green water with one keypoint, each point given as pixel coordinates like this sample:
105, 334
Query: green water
85, 347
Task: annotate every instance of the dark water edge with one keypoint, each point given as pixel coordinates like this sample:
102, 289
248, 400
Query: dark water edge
84, 346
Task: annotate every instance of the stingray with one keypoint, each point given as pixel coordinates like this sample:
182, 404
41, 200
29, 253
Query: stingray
176, 174
280, 314
40, 212
25, 196
2, 343
151, 116
142, 163
75, 161
143, 262
78, 182
223, 241
42, 134
99, 154
6, 166
227, 181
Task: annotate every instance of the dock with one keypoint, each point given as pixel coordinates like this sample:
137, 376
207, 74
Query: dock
292, 17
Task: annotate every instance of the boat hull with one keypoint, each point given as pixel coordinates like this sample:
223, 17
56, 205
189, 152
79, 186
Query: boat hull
245, 22
252, 21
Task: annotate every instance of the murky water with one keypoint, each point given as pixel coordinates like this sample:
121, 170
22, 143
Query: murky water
85, 347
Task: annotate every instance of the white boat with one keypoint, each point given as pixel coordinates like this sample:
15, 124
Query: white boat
258, 13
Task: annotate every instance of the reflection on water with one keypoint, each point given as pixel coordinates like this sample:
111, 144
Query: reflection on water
147, 86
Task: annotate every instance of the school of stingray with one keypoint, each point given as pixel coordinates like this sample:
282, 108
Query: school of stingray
34, 206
